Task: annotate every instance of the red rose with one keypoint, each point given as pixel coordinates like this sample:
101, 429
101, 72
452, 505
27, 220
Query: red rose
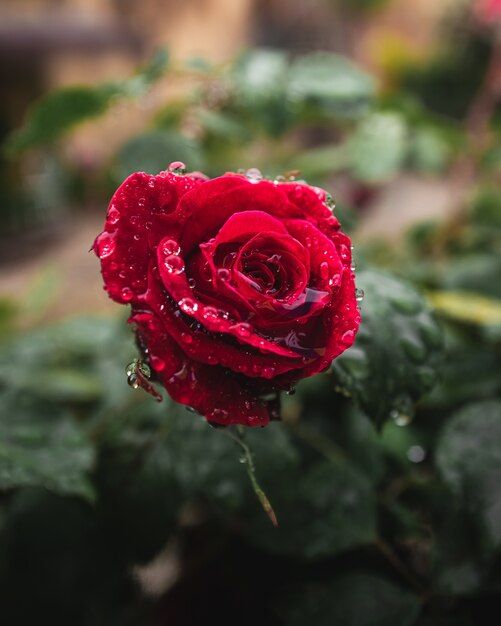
239, 287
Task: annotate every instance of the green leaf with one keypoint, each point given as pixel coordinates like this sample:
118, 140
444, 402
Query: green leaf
321, 512
139, 499
260, 73
430, 152
40, 445
378, 147
357, 599
393, 361
468, 457
330, 82
457, 563
206, 461
258, 81
59, 111
152, 152
322, 161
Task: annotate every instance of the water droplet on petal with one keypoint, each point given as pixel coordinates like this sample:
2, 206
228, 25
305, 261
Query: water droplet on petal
192, 283
359, 294
347, 337
174, 264
188, 305
187, 338
268, 372
212, 360
223, 274
210, 314
157, 363
127, 294
329, 201
170, 246
151, 183
254, 174
324, 270
177, 167
242, 329
113, 216
344, 252
141, 202
105, 245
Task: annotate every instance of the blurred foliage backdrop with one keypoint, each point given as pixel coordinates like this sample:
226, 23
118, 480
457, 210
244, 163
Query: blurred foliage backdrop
385, 473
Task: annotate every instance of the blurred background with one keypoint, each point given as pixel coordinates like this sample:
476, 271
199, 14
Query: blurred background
115, 510
435, 52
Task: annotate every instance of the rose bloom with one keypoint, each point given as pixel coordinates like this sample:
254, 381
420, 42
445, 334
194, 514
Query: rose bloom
239, 287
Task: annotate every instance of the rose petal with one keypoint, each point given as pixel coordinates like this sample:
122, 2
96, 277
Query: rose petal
127, 230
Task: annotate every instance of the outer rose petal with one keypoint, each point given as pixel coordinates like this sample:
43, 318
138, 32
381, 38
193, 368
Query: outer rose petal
213, 391
123, 247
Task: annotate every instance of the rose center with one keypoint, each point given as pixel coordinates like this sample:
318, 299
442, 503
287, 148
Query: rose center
266, 274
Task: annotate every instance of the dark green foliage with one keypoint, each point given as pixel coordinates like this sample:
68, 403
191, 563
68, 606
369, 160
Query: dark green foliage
357, 599
396, 351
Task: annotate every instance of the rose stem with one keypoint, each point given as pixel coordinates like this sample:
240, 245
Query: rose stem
251, 471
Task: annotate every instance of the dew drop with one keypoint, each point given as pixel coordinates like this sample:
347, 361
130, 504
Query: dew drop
105, 245
242, 329
157, 363
188, 305
174, 264
400, 418
347, 337
329, 201
151, 183
254, 174
210, 314
187, 338
113, 216
170, 246
212, 360
223, 274
324, 270
141, 202
132, 381
177, 167
127, 294
359, 294
192, 283
268, 372
344, 252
